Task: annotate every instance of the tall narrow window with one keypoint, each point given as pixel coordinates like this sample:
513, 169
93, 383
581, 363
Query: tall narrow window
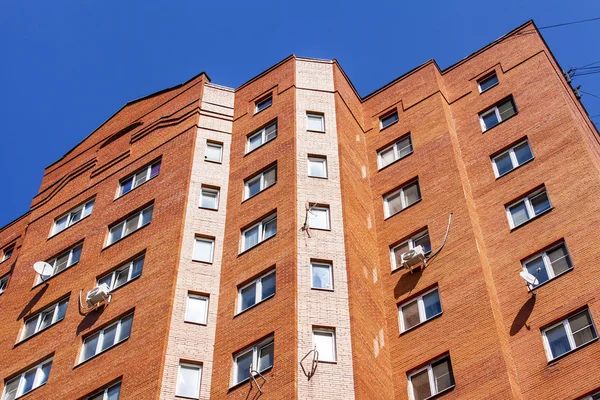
44, 319
256, 291
263, 103
318, 217
62, 262
388, 119
549, 264
125, 273
214, 152
512, 158
4, 283
27, 381
315, 122
262, 136
204, 249
259, 232
569, 334
528, 208
398, 150
324, 343
419, 310
73, 216
188, 380
196, 309
141, 176
129, 225
209, 198
322, 275
260, 182
106, 338
110, 393
487, 82
7, 253
420, 239
257, 358
317, 166
499, 113
399, 199
431, 380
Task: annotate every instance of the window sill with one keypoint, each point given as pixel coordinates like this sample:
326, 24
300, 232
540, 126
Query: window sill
320, 229
177, 396
255, 305
256, 194
443, 392
517, 167
125, 194
256, 245
240, 384
381, 129
322, 289
405, 208
420, 324
26, 393
500, 123
212, 161
125, 237
395, 161
208, 208
554, 361
532, 219
531, 289
202, 262
194, 323
314, 131
99, 354
317, 177
327, 362
73, 224
36, 334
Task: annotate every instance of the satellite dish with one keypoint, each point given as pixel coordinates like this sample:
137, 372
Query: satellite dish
527, 277
43, 269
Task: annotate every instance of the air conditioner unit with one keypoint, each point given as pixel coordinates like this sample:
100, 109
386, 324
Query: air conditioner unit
97, 295
414, 258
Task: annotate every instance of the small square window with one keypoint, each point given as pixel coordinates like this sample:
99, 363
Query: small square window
488, 82
7, 253
324, 343
389, 119
569, 334
209, 198
188, 380
315, 122
196, 309
322, 275
204, 249
318, 217
497, 114
214, 152
317, 166
265, 102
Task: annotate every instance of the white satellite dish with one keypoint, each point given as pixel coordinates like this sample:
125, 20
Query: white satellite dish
527, 277
43, 269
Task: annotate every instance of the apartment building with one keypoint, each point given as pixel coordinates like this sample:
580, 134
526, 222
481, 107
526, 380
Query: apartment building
291, 239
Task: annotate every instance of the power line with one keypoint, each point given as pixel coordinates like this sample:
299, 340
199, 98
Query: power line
569, 23
590, 94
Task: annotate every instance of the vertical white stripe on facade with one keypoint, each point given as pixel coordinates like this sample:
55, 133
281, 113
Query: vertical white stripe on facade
191, 342
315, 92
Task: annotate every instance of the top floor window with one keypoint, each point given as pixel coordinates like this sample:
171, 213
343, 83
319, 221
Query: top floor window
315, 122
129, 225
512, 158
73, 216
27, 381
262, 136
263, 103
487, 82
398, 150
259, 232
388, 119
142, 176
497, 114
401, 198
7, 253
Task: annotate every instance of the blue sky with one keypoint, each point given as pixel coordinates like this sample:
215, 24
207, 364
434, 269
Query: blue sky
68, 66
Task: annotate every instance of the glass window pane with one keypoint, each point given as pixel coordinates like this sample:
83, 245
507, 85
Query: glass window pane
116, 233
442, 375
503, 163
537, 268
75, 216
209, 198
248, 296
420, 385
75, 254
62, 309
196, 309
28, 380
203, 250
423, 240
506, 109
61, 224
321, 276
432, 304
140, 177
387, 157
270, 177
411, 193
251, 237
271, 131
265, 357
558, 341
398, 251
213, 152
582, 329
253, 186
113, 392
147, 215
269, 228
519, 213
404, 147
138, 265
487, 83
268, 286
318, 218
560, 260
540, 203
30, 327
315, 122
254, 141
131, 224
523, 153
125, 327
107, 280
490, 120
46, 319
89, 346
155, 169
61, 263
394, 203
410, 315
110, 334
584, 336
389, 119
261, 105
127, 185
42, 374
10, 390
89, 206
188, 381
324, 342
243, 363
316, 167
121, 277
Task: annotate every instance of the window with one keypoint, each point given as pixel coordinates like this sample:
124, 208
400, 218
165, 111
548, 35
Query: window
399, 199
130, 225
549, 264
569, 334
263, 103
214, 152
209, 198
256, 291
62, 262
497, 114
73, 216
4, 283
317, 166
110, 393
135, 180
488, 82
431, 380
260, 182
595, 396
398, 150
106, 338
259, 232
318, 217
44, 319
188, 380
324, 343
420, 239
419, 310
315, 122
123, 274
512, 158
258, 357
322, 275
27, 381
262, 136
389, 119
196, 309
528, 208
204, 249
7, 253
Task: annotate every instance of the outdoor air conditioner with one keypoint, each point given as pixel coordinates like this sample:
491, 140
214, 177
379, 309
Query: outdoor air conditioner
413, 258
97, 295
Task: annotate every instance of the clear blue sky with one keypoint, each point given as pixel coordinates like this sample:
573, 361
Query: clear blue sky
67, 66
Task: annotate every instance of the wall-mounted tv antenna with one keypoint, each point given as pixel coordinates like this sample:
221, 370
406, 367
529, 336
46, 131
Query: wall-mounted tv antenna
313, 365
44, 270
531, 281
253, 374
306, 225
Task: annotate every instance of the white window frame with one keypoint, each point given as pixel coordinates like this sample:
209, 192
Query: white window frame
421, 305
212, 248
214, 145
312, 114
495, 109
255, 358
485, 79
396, 151
327, 216
547, 263
261, 178
134, 182
104, 391
429, 369
4, 283
528, 206
205, 299
257, 293
198, 367
36, 383
403, 202
261, 234
100, 343
569, 332
84, 210
128, 266
321, 159
331, 333
7, 253
39, 316
123, 224
513, 158
262, 132
329, 265
411, 245
387, 115
259, 105
208, 189
52, 262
